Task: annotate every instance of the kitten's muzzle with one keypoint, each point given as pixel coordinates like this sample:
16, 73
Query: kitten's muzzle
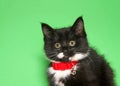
68, 54
65, 52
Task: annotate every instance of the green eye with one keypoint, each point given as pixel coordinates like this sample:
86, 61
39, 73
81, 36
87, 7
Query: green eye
57, 45
72, 43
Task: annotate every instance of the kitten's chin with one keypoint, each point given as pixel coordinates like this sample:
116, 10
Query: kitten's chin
61, 60
79, 56
64, 59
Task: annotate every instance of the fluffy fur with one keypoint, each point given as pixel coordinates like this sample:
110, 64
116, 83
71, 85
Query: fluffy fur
70, 44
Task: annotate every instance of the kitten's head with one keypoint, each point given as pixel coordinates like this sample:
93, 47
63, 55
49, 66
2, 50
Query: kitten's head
65, 44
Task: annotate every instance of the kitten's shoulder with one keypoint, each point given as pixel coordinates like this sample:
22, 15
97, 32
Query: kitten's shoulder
96, 57
95, 54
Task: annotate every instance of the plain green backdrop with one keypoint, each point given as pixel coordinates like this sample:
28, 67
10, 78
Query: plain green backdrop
22, 58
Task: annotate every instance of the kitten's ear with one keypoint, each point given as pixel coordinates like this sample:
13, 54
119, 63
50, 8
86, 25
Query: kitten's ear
47, 30
78, 27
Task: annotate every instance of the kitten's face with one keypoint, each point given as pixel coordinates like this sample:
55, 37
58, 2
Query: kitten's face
65, 44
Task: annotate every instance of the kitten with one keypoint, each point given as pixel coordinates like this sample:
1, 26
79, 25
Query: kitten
73, 62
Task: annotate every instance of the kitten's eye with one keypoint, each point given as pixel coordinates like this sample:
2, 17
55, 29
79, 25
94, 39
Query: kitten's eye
72, 43
57, 45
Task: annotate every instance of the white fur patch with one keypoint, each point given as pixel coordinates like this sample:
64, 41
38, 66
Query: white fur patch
59, 74
61, 84
66, 73
78, 56
60, 55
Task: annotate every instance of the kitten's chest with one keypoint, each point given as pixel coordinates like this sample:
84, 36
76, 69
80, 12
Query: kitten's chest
60, 76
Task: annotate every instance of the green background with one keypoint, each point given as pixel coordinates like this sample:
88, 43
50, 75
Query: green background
22, 59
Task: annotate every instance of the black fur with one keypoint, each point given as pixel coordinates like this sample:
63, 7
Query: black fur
93, 70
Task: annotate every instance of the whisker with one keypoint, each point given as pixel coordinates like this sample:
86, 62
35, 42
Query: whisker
52, 56
90, 59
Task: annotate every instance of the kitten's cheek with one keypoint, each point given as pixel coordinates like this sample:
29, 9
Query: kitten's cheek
79, 56
60, 55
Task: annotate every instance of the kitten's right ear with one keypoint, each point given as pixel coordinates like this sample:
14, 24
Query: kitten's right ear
47, 30
78, 27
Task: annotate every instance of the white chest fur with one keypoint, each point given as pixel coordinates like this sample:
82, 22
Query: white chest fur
59, 75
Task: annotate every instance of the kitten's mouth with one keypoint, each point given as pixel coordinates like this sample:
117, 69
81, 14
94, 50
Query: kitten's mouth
62, 55
76, 57
64, 58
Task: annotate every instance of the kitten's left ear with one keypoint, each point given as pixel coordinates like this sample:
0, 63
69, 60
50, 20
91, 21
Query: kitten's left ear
47, 30
78, 27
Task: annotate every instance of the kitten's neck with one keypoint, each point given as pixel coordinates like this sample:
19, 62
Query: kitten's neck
63, 65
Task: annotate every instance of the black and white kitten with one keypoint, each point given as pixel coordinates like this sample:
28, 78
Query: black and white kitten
73, 62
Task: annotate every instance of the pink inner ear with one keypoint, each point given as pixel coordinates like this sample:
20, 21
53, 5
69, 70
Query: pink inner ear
79, 26
79, 31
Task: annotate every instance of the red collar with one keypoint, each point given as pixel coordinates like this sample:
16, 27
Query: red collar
64, 65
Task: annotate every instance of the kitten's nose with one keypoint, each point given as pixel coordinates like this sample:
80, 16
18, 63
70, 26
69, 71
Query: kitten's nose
65, 52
